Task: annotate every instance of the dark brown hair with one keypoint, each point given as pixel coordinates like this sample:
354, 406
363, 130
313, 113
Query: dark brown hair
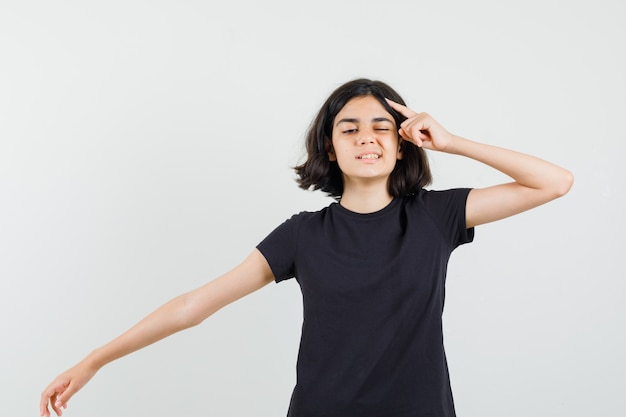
319, 173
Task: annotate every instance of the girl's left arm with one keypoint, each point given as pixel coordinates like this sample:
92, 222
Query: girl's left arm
535, 181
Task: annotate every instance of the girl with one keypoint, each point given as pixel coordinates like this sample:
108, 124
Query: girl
371, 266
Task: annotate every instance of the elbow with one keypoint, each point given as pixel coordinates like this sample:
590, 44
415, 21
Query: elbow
563, 183
184, 314
193, 311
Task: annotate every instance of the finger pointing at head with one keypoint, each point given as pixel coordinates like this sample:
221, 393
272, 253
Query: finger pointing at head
403, 110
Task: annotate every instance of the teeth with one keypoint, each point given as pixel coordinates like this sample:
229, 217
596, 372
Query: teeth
369, 156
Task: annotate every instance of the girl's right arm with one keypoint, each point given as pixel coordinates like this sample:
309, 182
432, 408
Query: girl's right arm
182, 312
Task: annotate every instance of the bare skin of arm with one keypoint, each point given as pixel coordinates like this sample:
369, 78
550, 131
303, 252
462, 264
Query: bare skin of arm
535, 181
180, 313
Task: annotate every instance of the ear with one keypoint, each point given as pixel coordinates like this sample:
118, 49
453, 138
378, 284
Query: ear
328, 146
400, 153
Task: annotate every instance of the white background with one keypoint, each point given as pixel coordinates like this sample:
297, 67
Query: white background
146, 146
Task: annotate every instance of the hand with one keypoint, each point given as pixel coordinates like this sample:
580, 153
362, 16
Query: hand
59, 392
421, 129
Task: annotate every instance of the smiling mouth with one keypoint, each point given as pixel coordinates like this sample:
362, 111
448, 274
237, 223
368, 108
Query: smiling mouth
369, 156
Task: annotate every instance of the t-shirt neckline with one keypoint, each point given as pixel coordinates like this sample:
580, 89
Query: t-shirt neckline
375, 214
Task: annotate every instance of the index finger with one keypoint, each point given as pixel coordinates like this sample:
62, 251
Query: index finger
403, 110
43, 404
47, 397
50, 395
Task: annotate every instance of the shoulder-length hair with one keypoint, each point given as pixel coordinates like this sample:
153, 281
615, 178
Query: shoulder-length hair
319, 173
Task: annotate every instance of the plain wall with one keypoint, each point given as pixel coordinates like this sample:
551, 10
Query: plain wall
146, 146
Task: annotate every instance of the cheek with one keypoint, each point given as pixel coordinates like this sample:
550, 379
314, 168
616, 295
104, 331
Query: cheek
340, 156
394, 143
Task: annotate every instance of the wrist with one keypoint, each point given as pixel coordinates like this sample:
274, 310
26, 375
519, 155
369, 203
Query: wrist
455, 145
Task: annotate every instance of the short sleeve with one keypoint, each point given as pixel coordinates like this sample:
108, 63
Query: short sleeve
279, 249
447, 209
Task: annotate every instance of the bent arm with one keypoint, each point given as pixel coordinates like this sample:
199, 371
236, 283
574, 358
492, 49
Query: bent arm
535, 182
182, 312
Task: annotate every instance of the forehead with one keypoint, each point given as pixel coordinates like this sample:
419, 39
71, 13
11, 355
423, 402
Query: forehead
363, 108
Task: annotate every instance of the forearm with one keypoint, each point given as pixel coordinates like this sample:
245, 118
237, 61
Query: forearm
525, 170
166, 320
163, 322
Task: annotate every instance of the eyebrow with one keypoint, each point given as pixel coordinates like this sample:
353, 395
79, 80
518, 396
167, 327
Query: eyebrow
374, 120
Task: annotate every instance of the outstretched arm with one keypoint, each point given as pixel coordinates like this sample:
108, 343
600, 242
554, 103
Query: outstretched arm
182, 312
535, 181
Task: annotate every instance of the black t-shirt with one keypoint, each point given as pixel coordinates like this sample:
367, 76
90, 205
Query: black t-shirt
373, 295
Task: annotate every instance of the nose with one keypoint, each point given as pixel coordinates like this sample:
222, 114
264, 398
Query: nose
366, 136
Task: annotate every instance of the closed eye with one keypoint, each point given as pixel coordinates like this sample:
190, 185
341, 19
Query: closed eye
349, 131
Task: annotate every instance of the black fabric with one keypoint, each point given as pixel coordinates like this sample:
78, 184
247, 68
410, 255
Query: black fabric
373, 295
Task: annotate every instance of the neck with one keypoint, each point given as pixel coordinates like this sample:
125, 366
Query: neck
365, 199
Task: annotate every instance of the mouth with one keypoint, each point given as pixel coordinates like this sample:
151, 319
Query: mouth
369, 156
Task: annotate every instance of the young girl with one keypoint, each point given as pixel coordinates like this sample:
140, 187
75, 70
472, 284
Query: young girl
371, 267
